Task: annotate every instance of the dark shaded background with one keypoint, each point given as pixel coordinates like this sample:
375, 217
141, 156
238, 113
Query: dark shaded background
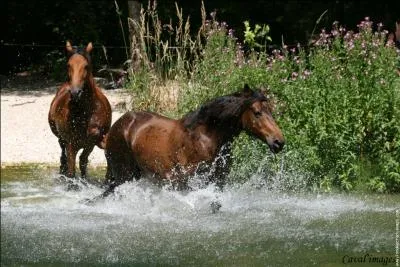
34, 32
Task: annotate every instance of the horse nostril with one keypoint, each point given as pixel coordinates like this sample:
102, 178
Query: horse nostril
278, 145
75, 93
279, 142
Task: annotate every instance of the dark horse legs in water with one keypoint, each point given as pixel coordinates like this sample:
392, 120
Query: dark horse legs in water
143, 143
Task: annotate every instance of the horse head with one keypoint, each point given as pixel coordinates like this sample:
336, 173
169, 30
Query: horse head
257, 119
79, 69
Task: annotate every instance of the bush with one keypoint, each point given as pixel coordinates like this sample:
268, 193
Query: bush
338, 104
348, 108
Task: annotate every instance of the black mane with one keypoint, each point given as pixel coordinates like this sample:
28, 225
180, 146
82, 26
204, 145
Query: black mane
224, 111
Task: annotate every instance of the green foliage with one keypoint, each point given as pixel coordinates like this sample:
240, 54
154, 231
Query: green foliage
347, 108
340, 102
337, 102
258, 37
140, 85
162, 52
210, 71
167, 49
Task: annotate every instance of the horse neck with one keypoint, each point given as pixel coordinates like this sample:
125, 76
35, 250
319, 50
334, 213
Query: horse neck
226, 134
90, 84
219, 130
219, 120
90, 89
89, 93
217, 137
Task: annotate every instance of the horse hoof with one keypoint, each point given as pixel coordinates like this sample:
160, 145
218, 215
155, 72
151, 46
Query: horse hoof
91, 201
88, 201
83, 181
215, 206
73, 187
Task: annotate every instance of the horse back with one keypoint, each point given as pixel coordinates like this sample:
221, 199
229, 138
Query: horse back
148, 138
133, 125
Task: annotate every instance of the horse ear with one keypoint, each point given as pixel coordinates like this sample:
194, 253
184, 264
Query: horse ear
89, 47
68, 47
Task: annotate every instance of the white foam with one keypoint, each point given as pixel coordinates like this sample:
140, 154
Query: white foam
139, 213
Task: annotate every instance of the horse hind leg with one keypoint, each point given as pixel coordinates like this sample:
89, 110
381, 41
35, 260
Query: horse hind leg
106, 193
118, 172
84, 159
63, 158
111, 183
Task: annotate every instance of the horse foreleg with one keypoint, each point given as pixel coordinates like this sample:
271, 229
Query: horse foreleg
110, 189
84, 159
63, 158
107, 192
118, 172
71, 155
222, 166
110, 186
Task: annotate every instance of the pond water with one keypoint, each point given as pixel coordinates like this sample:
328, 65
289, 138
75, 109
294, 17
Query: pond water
43, 224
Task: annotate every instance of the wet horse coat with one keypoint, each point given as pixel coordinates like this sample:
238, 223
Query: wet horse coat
80, 114
144, 143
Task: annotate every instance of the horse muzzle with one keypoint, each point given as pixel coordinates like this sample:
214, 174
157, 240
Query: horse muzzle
76, 94
276, 145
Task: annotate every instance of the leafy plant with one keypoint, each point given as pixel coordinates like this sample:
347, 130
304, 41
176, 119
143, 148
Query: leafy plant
258, 37
338, 101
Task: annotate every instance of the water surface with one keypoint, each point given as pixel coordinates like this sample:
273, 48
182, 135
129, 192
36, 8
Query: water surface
44, 224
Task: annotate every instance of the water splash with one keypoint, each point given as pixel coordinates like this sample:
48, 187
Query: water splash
148, 224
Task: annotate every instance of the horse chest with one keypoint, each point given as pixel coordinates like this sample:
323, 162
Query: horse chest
79, 121
202, 148
80, 125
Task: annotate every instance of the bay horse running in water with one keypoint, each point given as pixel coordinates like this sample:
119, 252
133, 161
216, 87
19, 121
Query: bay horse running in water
142, 143
80, 114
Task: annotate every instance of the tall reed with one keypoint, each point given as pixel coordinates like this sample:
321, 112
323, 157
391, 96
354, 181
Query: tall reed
338, 99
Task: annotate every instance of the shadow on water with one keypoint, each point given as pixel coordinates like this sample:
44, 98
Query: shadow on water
43, 224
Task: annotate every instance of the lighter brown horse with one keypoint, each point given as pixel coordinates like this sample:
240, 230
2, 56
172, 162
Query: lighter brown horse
80, 114
144, 143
